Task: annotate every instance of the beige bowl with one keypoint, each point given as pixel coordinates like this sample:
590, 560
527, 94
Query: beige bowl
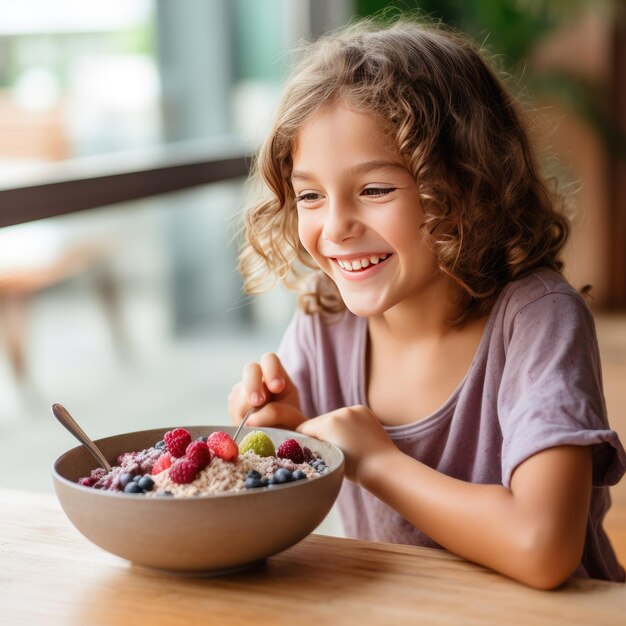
212, 534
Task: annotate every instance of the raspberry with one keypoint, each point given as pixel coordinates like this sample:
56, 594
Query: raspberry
198, 452
184, 471
96, 475
222, 445
290, 449
163, 462
176, 441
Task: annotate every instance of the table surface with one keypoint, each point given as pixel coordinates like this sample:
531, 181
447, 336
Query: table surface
50, 574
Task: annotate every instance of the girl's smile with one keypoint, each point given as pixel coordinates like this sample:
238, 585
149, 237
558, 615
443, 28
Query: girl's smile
360, 214
361, 266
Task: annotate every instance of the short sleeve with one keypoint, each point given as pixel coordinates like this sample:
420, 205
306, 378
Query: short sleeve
551, 390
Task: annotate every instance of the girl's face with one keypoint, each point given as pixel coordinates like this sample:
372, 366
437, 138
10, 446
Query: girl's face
359, 212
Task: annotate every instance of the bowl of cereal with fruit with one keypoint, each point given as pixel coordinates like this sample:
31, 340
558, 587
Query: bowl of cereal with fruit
189, 499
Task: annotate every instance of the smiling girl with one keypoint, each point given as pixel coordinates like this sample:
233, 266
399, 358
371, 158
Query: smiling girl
437, 342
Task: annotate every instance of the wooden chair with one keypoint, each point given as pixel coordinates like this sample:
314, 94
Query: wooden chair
19, 286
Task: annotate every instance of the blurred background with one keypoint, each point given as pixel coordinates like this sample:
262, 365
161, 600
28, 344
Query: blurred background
126, 128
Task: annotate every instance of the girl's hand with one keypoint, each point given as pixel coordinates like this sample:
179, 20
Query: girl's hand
266, 385
359, 434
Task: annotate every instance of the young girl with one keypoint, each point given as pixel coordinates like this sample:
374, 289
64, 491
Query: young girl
439, 347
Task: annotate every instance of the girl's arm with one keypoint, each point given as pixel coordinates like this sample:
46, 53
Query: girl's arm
533, 532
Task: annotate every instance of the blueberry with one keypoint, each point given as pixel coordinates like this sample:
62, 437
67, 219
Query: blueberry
164, 493
254, 483
253, 474
203, 439
125, 479
133, 488
282, 475
160, 445
298, 475
146, 483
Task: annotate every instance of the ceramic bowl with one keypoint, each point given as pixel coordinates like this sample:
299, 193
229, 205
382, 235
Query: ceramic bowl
210, 534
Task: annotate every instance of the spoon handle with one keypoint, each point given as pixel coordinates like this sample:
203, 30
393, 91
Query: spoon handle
251, 410
66, 420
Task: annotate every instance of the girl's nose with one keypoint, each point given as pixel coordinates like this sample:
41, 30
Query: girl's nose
340, 222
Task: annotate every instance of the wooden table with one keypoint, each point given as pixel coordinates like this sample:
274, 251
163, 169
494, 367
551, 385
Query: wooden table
50, 574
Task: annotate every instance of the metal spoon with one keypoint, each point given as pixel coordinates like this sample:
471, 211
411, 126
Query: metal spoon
62, 414
251, 410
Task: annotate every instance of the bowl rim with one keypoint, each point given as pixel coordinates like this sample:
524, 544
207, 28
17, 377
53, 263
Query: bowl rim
227, 494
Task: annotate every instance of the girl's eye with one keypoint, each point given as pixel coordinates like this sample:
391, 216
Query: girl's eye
308, 197
378, 192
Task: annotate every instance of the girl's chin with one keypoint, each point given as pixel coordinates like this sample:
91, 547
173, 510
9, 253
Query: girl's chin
363, 309
360, 299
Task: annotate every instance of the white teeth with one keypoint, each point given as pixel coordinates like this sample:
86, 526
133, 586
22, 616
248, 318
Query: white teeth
352, 266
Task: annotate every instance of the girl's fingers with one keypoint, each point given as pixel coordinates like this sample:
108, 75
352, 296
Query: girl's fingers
252, 381
276, 415
274, 374
237, 403
307, 428
265, 383
319, 427
261, 380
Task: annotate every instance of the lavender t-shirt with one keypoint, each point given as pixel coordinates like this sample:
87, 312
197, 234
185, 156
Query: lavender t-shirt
535, 383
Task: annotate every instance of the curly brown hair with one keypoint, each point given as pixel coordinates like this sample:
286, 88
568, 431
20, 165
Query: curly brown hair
490, 216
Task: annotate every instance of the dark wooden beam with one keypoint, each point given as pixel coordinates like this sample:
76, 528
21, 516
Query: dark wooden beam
70, 188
